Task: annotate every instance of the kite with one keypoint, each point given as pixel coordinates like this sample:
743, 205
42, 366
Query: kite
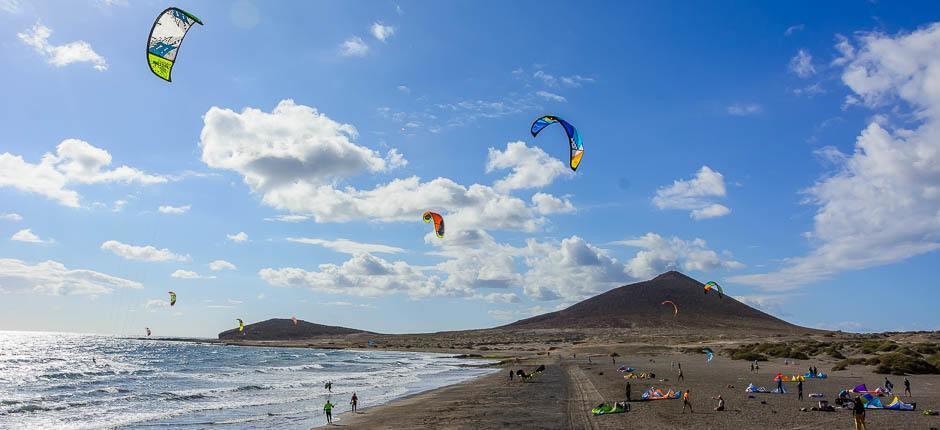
712, 285
709, 353
172, 298
438, 222
674, 307
166, 36
241, 325
148, 331
294, 319
574, 138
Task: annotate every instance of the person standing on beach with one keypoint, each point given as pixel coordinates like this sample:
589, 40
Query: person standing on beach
858, 412
354, 401
686, 401
328, 410
799, 390
888, 385
780, 385
752, 367
907, 387
510, 375
681, 375
628, 391
721, 403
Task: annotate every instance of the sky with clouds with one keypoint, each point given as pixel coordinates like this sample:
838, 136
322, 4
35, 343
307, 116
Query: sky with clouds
789, 152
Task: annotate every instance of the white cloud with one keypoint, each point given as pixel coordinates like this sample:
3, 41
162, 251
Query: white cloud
531, 167
518, 314
660, 254
347, 246
75, 162
188, 274
354, 47
551, 96
846, 51
118, 205
810, 90
141, 253
791, 30
53, 278
220, 265
696, 195
238, 237
881, 203
174, 210
153, 305
554, 81
501, 298
15, 217
61, 55
404, 89
382, 32
27, 235
745, 109
802, 64
288, 218
547, 204
10, 6
347, 304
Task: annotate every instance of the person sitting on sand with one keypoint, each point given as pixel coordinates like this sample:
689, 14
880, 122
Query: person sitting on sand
354, 401
686, 401
721, 403
328, 410
858, 412
907, 387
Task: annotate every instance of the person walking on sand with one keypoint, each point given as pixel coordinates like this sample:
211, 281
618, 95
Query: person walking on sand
328, 410
752, 367
354, 401
628, 391
780, 385
510, 375
686, 401
681, 375
799, 390
858, 412
721, 403
907, 387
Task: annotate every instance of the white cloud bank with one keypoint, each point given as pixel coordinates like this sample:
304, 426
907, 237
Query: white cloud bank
347, 246
61, 55
141, 253
53, 278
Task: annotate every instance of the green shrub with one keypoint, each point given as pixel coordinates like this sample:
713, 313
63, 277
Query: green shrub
897, 363
748, 355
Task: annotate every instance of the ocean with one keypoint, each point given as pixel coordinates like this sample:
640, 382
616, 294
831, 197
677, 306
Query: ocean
78, 381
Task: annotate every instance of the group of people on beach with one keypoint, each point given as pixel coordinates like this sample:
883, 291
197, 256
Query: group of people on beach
328, 406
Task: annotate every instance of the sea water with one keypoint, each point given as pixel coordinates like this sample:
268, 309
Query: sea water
77, 381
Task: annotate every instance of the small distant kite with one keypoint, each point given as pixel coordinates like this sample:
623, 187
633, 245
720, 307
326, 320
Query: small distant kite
241, 325
172, 298
708, 353
712, 285
148, 331
294, 319
438, 222
166, 36
674, 307
574, 138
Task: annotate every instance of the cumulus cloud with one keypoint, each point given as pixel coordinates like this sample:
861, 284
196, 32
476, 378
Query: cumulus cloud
802, 64
15, 217
347, 246
237, 237
27, 235
10, 6
354, 47
174, 210
141, 253
53, 278
61, 55
382, 32
659, 254
74, 162
696, 195
744, 109
531, 167
188, 274
546, 204
881, 202
571, 270
220, 265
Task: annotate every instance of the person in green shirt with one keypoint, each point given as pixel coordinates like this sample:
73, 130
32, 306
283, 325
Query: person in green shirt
328, 410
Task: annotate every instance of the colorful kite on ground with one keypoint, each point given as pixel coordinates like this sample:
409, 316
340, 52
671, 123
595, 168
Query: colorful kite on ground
653, 393
172, 298
674, 307
872, 402
438, 222
166, 36
712, 285
574, 138
148, 331
241, 325
708, 353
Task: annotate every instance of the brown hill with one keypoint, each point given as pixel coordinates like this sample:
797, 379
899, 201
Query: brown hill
640, 305
284, 329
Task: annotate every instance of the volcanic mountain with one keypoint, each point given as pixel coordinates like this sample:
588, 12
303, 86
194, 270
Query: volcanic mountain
285, 329
640, 306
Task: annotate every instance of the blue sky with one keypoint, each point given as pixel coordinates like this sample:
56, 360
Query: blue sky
789, 152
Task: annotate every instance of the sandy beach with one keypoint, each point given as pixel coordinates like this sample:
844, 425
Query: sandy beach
562, 397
